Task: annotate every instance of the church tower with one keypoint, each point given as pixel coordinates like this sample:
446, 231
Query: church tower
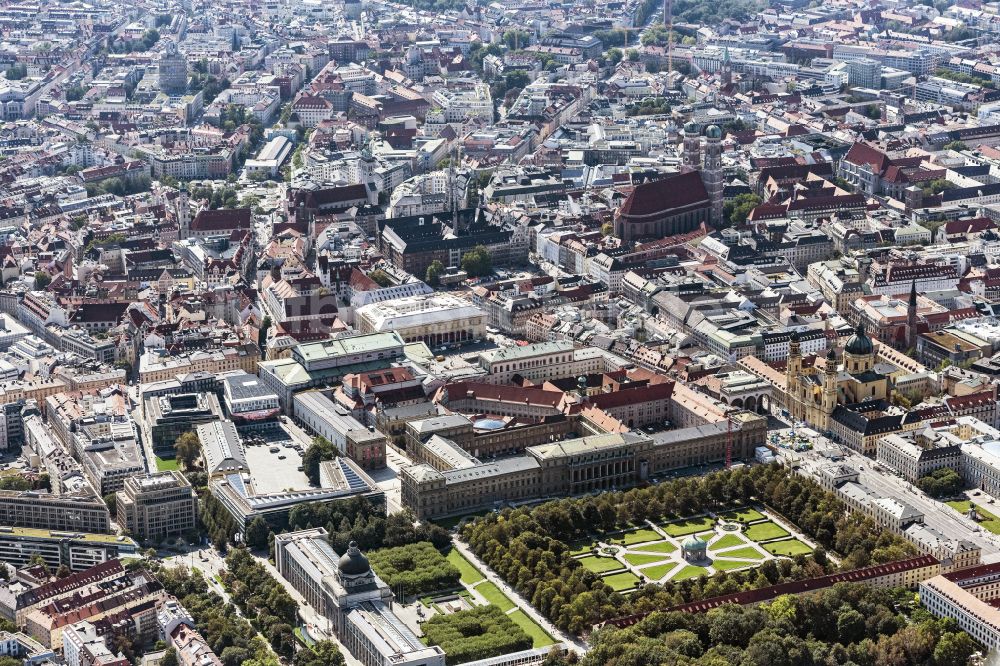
711, 173
691, 157
794, 367
830, 375
182, 212
793, 371
911, 317
727, 68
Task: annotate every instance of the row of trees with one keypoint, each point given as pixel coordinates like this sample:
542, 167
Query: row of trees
259, 595
366, 523
418, 567
218, 522
529, 548
846, 624
228, 634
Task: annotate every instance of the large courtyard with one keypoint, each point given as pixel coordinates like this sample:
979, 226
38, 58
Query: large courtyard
687, 548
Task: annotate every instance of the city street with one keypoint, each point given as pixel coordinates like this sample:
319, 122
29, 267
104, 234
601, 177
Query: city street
937, 515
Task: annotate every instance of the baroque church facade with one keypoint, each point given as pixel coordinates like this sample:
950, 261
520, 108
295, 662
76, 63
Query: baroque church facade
812, 394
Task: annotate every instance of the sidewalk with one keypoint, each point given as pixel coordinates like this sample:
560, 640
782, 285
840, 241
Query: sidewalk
578, 646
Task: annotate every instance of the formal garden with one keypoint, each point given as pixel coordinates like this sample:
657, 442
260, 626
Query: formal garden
677, 550
582, 561
458, 608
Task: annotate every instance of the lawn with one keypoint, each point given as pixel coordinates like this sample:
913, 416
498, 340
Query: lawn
659, 571
765, 531
538, 636
728, 541
990, 522
619, 582
638, 559
688, 526
166, 465
493, 595
451, 523
601, 565
787, 547
641, 536
470, 574
748, 552
581, 547
303, 637
726, 565
657, 547
690, 571
743, 515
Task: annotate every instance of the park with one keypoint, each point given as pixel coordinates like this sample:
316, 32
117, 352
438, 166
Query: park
680, 549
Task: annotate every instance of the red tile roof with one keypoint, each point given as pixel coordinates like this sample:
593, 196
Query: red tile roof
666, 196
223, 219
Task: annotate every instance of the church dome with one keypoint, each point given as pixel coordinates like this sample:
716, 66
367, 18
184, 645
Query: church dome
713, 132
794, 337
690, 128
859, 344
353, 563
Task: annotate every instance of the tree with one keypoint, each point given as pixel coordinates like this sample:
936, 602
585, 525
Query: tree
850, 626
187, 448
322, 653
954, 649
42, 280
63, 571
111, 499
737, 210
234, 656
433, 274
380, 277
257, 534
477, 262
321, 449
944, 482
169, 658
955, 145
38, 561
607, 229
16, 72
75, 93
633, 55
937, 186
517, 39
614, 55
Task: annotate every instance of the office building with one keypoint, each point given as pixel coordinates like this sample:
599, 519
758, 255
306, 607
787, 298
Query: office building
156, 505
